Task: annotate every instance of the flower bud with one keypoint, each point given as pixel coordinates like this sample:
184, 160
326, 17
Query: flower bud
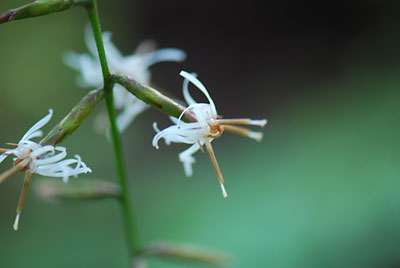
186, 252
82, 189
38, 8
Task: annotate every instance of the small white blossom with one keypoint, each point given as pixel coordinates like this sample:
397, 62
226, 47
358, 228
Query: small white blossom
45, 160
206, 127
135, 66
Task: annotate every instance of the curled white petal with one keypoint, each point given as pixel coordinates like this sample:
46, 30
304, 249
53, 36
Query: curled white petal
89, 67
192, 78
5, 155
112, 51
72, 59
41, 151
186, 157
191, 106
32, 132
185, 88
53, 158
63, 169
122, 98
155, 127
165, 54
188, 133
129, 114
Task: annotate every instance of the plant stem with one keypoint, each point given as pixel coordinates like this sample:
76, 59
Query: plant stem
127, 211
95, 22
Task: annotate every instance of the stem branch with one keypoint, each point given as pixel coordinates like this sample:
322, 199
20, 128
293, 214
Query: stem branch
157, 99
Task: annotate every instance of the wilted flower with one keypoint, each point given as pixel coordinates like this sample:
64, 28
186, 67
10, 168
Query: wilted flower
135, 66
208, 126
44, 160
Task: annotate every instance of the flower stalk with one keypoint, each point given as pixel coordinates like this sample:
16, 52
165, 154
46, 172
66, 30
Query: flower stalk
154, 97
127, 210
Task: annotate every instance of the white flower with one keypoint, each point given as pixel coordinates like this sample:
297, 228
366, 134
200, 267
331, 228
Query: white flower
44, 160
207, 126
135, 66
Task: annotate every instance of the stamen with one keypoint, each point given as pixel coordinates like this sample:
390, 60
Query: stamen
201, 147
12, 144
216, 167
256, 135
245, 132
12, 171
260, 123
16, 222
2, 151
22, 197
245, 121
224, 193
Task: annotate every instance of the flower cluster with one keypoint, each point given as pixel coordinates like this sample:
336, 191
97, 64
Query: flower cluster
207, 127
134, 66
45, 160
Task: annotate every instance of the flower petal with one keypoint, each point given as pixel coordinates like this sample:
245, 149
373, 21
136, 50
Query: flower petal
42, 151
54, 158
186, 157
192, 78
165, 54
31, 132
129, 114
5, 155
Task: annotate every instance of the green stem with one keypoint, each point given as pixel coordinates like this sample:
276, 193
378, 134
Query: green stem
94, 19
127, 211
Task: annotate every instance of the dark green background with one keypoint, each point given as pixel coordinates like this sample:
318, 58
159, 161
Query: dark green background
321, 190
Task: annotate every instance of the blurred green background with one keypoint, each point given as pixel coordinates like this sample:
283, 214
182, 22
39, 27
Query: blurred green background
321, 190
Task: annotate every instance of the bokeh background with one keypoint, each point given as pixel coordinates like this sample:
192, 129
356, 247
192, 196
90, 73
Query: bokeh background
321, 190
